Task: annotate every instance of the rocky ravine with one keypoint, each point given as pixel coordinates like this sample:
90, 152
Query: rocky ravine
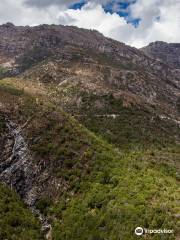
15, 171
18, 171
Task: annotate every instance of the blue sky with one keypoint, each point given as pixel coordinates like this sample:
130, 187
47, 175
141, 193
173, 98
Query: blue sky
77, 5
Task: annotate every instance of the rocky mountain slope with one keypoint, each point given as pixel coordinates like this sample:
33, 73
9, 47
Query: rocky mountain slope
168, 53
83, 119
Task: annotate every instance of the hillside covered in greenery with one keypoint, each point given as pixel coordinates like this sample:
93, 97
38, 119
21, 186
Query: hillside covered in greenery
88, 188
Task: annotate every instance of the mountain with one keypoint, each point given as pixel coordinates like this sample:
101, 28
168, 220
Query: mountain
21, 48
89, 135
165, 52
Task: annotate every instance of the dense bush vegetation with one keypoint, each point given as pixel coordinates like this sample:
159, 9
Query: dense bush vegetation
127, 127
16, 221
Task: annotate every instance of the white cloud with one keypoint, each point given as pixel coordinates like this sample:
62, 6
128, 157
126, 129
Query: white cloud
17, 13
47, 3
165, 28
60, 3
160, 19
92, 16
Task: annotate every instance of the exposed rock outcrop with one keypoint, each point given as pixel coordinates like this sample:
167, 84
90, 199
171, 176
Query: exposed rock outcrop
18, 171
168, 53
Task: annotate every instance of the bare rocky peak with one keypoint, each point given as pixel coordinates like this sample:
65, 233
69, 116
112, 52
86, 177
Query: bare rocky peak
45, 36
168, 53
27, 48
19, 41
14, 41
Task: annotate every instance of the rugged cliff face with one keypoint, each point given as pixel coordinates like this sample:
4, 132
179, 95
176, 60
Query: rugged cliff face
55, 53
83, 119
37, 43
166, 52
